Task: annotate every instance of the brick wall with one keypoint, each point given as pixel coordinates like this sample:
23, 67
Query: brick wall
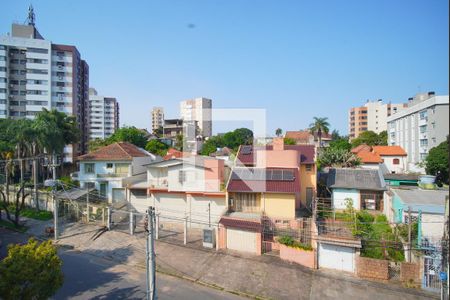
410, 272
372, 268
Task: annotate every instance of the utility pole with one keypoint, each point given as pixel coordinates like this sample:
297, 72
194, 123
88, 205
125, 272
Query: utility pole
209, 214
35, 180
409, 234
55, 214
150, 254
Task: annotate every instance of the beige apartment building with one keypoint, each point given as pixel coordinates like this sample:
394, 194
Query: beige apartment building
372, 116
157, 118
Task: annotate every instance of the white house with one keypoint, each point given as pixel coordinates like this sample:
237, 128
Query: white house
363, 188
105, 168
390, 159
192, 187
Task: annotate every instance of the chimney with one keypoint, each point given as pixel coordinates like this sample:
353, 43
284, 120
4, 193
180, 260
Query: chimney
278, 144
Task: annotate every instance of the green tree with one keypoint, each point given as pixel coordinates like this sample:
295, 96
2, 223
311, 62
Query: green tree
337, 158
211, 144
370, 138
278, 132
157, 147
289, 141
96, 144
335, 135
341, 143
159, 131
436, 162
318, 127
131, 135
237, 137
30, 271
179, 142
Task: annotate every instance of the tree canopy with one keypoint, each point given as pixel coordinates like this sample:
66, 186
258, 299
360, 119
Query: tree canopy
337, 158
31, 271
341, 143
436, 162
232, 140
370, 138
289, 141
131, 135
278, 132
157, 147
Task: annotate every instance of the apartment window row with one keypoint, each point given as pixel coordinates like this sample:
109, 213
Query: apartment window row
2, 58
38, 50
423, 142
17, 61
18, 72
37, 61
37, 71
37, 92
3, 69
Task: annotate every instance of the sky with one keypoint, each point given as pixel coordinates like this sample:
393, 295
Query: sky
296, 59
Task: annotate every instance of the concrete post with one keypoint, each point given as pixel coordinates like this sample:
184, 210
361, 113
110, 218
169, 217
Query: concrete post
157, 226
87, 207
55, 216
103, 216
108, 224
185, 229
131, 223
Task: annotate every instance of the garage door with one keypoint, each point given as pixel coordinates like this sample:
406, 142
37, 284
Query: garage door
200, 208
171, 205
139, 200
241, 240
336, 257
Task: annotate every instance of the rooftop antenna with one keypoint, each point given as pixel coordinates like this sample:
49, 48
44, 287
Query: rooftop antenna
31, 16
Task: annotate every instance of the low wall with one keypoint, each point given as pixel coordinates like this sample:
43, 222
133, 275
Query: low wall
372, 268
299, 256
410, 272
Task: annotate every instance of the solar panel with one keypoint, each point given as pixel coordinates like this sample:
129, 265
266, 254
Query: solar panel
262, 175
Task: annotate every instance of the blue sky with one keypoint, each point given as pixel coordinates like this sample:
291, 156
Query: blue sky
297, 59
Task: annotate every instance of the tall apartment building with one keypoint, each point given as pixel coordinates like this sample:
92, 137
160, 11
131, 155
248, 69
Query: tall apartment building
372, 116
157, 118
103, 115
37, 74
420, 127
198, 110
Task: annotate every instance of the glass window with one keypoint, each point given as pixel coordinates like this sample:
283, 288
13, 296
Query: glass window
396, 161
122, 168
89, 168
423, 114
109, 165
308, 168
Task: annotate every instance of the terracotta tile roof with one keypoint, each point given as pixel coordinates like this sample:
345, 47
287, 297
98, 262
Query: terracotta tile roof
115, 151
389, 150
298, 135
362, 147
241, 223
174, 153
368, 157
246, 153
236, 184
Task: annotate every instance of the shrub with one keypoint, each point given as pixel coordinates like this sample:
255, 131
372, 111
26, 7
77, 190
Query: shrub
290, 242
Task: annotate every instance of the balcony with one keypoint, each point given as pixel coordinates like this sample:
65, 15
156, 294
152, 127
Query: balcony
158, 183
112, 175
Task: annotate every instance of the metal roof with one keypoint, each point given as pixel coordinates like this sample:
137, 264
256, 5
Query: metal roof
360, 179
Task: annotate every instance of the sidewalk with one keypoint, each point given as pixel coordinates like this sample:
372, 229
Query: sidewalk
254, 276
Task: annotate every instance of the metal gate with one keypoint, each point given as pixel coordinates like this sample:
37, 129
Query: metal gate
432, 263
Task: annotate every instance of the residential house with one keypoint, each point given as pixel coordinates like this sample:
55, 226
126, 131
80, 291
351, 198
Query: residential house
391, 159
190, 187
271, 183
105, 168
363, 188
393, 180
305, 137
223, 153
429, 203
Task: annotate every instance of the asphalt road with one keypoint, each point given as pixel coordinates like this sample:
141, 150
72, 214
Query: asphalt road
90, 277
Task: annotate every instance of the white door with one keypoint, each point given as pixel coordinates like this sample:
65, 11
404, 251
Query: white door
241, 240
118, 195
171, 205
336, 257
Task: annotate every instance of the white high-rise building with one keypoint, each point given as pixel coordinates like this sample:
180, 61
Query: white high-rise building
199, 110
420, 127
103, 115
157, 118
37, 74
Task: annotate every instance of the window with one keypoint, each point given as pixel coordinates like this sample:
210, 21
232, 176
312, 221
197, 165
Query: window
139, 193
423, 142
109, 165
121, 168
181, 176
423, 115
423, 128
89, 168
396, 161
308, 168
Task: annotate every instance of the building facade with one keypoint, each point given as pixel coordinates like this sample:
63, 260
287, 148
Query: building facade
37, 74
157, 118
372, 116
198, 110
420, 127
103, 115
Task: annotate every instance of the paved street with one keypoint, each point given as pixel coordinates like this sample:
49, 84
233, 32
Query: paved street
90, 277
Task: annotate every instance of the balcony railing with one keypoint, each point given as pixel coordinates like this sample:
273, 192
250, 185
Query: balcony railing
109, 175
161, 183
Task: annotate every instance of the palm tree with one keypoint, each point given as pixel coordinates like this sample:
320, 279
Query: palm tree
54, 130
318, 127
278, 132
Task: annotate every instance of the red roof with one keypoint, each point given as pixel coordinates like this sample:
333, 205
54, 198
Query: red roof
174, 153
389, 150
305, 135
362, 147
259, 186
115, 151
246, 153
369, 157
241, 223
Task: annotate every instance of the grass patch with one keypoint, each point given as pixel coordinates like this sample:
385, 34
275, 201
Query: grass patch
10, 225
290, 242
33, 213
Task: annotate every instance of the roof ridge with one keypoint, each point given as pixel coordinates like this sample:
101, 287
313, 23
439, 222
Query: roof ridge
125, 151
